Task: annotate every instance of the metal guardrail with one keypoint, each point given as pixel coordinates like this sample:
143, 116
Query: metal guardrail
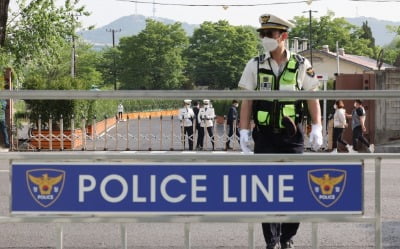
140, 157
130, 156
199, 94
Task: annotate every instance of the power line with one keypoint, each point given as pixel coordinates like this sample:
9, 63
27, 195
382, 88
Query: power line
377, 1
219, 5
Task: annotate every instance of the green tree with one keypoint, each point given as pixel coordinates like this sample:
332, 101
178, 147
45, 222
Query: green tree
391, 53
367, 33
153, 58
58, 77
106, 66
327, 30
36, 30
218, 53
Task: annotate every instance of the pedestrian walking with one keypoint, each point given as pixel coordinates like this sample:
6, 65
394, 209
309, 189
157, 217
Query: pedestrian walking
339, 125
3, 124
358, 117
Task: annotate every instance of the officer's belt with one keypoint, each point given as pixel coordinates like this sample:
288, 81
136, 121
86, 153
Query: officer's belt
270, 129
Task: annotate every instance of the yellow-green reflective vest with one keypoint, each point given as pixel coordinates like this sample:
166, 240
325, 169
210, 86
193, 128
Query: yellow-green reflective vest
270, 113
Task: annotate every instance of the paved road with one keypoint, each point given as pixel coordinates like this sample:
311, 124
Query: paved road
146, 134
209, 236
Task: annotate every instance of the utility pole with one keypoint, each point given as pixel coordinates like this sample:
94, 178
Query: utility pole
113, 31
310, 32
73, 52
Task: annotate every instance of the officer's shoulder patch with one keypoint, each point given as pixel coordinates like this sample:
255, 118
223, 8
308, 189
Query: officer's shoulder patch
310, 72
300, 59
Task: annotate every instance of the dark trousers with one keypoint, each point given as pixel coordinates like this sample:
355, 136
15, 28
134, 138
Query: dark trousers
266, 142
338, 137
119, 115
201, 136
188, 132
230, 133
358, 136
4, 132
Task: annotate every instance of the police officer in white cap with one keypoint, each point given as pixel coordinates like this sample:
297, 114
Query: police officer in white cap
186, 116
278, 122
206, 120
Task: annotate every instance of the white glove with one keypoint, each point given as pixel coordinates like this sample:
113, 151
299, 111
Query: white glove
316, 136
244, 140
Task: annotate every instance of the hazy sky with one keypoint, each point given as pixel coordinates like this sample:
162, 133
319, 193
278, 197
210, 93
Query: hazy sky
105, 11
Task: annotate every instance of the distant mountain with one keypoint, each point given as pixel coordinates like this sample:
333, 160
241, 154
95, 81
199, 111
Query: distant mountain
378, 28
132, 25
126, 26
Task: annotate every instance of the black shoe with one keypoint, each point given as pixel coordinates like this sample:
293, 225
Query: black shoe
290, 126
274, 246
288, 244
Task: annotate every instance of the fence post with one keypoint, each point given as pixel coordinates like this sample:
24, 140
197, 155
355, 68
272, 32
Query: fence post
105, 132
172, 133
61, 132
161, 132
314, 235
378, 222
83, 133
116, 132
138, 133
251, 239
40, 132
127, 132
182, 134
50, 133
60, 235
72, 132
124, 237
225, 135
150, 134
94, 132
187, 236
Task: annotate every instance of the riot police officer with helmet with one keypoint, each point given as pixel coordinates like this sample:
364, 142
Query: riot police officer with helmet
278, 122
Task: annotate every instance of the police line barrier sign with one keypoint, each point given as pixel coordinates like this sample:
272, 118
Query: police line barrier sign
180, 189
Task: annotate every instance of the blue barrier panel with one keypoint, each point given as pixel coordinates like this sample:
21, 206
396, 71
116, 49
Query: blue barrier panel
183, 188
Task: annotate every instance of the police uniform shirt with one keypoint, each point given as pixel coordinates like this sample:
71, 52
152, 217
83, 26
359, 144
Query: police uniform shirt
206, 117
306, 78
186, 115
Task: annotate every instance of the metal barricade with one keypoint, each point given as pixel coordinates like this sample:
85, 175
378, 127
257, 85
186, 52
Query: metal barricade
251, 219
200, 157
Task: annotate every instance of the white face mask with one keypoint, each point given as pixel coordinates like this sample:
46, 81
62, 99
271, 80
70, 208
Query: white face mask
335, 106
269, 44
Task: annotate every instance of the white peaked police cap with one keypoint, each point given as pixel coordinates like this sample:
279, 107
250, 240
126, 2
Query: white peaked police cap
269, 21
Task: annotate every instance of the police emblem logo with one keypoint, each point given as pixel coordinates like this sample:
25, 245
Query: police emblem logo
327, 185
45, 185
265, 19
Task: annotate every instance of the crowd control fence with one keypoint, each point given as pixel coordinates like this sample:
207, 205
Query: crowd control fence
203, 158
